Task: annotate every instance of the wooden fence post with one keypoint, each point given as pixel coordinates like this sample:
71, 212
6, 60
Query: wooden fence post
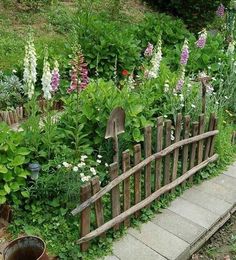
115, 193
98, 204
126, 186
148, 152
186, 147
212, 148
200, 143
176, 152
167, 165
208, 140
137, 177
193, 148
159, 146
85, 193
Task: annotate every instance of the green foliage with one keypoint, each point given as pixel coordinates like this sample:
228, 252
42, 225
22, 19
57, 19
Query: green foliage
11, 92
13, 157
34, 5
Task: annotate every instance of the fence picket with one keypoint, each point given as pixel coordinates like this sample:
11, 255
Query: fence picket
126, 186
176, 152
208, 140
148, 152
137, 177
201, 142
186, 147
195, 129
85, 193
98, 204
159, 146
212, 148
115, 193
167, 161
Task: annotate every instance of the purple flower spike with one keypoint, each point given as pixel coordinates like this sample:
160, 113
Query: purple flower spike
220, 11
149, 50
184, 54
179, 85
201, 42
55, 78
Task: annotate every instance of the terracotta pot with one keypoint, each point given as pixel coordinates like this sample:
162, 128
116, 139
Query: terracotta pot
26, 248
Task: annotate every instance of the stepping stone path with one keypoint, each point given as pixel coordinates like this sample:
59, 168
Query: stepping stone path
185, 226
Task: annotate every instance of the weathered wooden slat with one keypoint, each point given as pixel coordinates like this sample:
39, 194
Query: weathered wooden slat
167, 161
208, 140
176, 152
85, 193
140, 166
137, 177
146, 201
115, 193
195, 129
95, 184
186, 147
201, 142
126, 186
159, 147
212, 148
148, 152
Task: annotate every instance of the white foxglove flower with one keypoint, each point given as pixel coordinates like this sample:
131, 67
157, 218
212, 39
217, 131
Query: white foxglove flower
46, 79
156, 61
30, 64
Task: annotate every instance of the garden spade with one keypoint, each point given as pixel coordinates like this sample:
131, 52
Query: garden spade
116, 126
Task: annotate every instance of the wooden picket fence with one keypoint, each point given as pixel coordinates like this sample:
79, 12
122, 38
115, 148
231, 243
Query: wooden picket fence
156, 174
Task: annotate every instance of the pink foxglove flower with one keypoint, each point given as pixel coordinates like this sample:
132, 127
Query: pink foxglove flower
220, 10
201, 42
55, 81
79, 73
149, 50
185, 53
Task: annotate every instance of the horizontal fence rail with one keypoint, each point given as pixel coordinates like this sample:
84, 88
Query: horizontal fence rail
163, 164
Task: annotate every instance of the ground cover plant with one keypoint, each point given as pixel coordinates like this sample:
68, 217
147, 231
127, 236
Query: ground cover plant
149, 65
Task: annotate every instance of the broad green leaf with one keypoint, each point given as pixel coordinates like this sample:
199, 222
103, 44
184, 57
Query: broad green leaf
25, 194
7, 188
23, 151
23, 174
3, 169
2, 199
18, 160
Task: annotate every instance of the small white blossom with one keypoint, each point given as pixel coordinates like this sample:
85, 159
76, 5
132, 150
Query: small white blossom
193, 106
99, 161
226, 97
106, 164
83, 157
172, 135
80, 165
75, 169
81, 174
58, 166
165, 116
99, 156
46, 78
217, 103
65, 164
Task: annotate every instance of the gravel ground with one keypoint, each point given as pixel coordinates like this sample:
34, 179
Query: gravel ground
222, 245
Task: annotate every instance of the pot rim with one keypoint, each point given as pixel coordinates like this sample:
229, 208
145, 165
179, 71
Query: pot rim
23, 237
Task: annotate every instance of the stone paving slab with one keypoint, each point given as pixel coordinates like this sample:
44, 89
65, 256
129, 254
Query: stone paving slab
197, 214
174, 223
156, 238
231, 171
228, 182
217, 190
111, 258
130, 248
207, 201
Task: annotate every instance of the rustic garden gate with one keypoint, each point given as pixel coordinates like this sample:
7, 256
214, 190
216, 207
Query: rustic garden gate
172, 163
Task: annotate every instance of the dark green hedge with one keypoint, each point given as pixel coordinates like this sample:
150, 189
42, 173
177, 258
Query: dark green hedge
195, 13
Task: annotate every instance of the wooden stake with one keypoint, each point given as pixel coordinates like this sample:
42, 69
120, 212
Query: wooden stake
137, 176
158, 162
167, 158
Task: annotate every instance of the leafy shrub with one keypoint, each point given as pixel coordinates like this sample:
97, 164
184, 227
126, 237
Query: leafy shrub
12, 161
11, 91
195, 13
34, 5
